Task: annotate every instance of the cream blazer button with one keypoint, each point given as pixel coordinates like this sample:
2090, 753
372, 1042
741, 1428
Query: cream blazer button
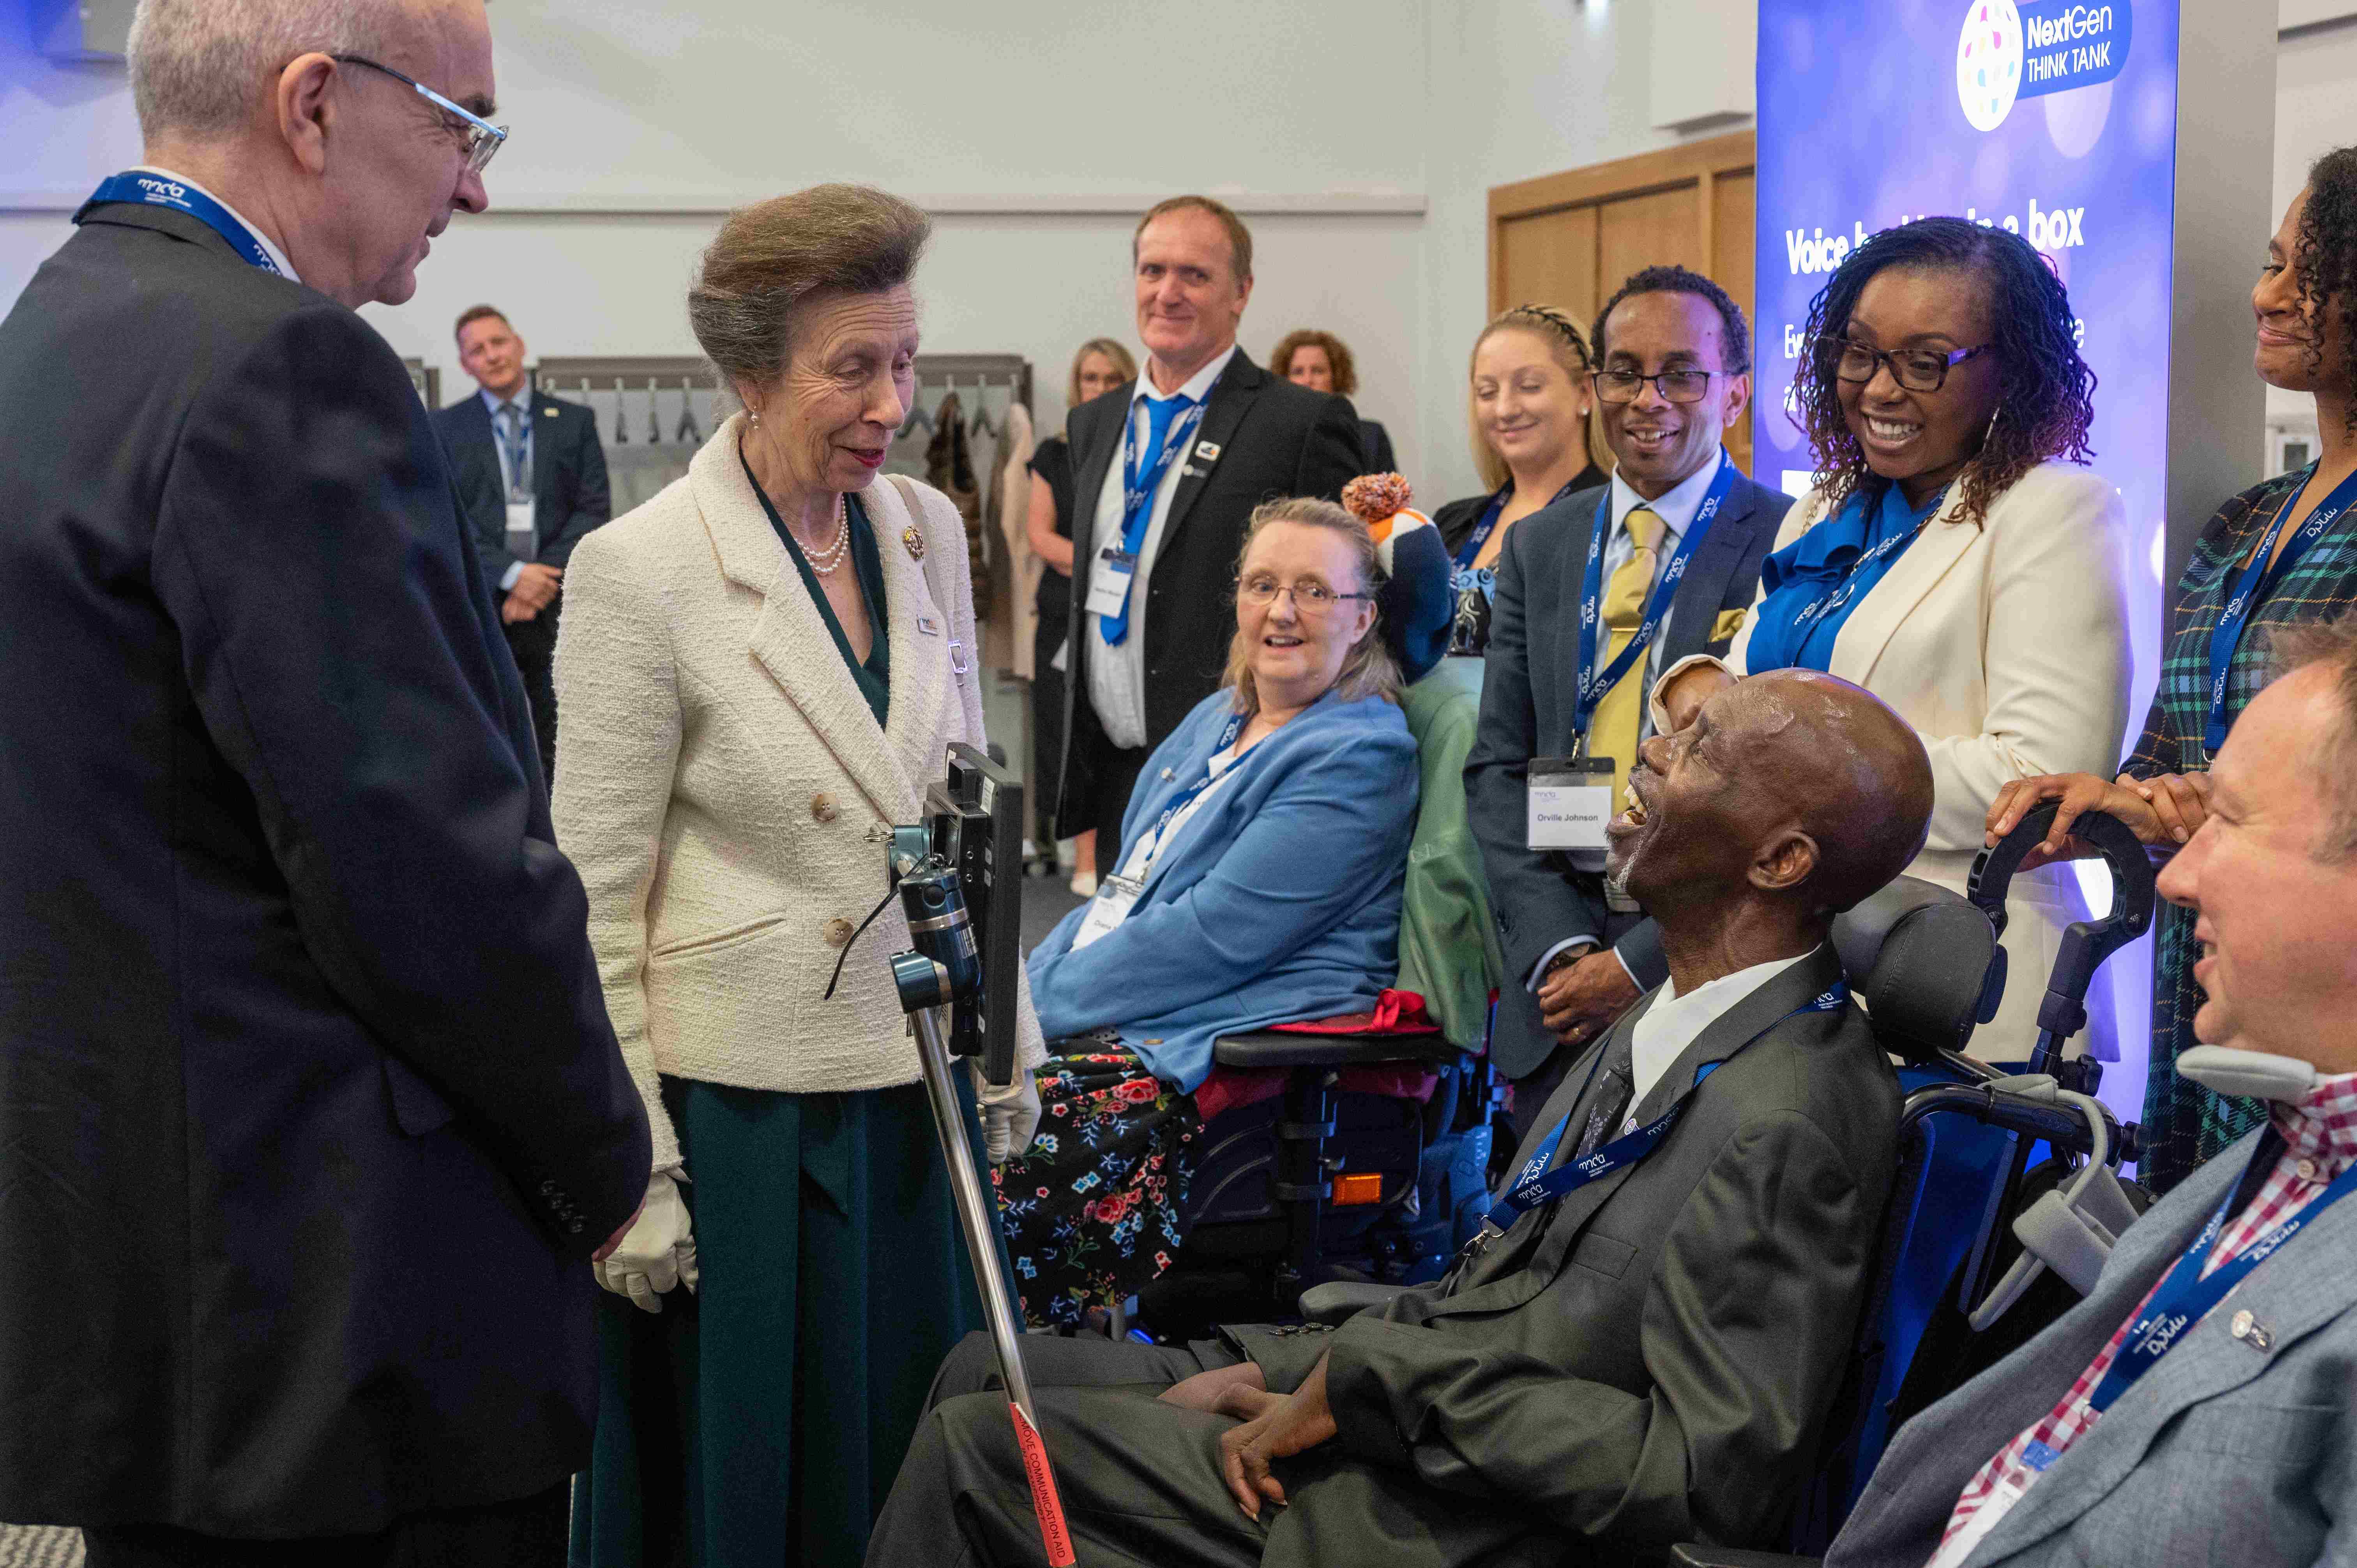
838, 931
822, 808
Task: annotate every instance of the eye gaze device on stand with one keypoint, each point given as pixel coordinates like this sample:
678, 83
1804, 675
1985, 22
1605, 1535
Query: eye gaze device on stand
959, 874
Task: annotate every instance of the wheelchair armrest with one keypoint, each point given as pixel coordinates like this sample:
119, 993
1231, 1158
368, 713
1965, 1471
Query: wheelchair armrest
1283, 1047
1691, 1555
1338, 1301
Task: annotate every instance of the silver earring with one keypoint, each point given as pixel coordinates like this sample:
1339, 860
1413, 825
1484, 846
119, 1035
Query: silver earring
1994, 414
752, 416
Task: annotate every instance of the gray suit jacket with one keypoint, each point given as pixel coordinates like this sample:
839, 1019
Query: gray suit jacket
2224, 1453
1528, 684
1649, 1358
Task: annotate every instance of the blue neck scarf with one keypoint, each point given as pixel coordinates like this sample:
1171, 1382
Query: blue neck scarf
1811, 585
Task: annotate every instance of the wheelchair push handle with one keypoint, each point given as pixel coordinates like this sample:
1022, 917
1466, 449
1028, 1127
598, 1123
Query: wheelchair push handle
2085, 943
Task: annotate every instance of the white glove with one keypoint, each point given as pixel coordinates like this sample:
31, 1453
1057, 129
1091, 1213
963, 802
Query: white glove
1009, 1115
657, 1252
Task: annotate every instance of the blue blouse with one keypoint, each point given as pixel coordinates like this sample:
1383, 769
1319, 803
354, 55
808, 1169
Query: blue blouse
1809, 586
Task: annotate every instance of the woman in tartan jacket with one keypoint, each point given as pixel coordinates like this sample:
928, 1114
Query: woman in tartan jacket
2303, 301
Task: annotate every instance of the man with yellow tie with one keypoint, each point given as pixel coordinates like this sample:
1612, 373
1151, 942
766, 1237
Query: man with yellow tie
1596, 594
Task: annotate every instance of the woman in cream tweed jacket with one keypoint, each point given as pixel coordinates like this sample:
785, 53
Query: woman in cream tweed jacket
759, 671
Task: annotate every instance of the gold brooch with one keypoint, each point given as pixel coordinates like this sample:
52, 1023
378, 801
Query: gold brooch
914, 540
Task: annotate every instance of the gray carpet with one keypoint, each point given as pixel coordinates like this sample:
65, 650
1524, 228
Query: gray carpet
39, 1546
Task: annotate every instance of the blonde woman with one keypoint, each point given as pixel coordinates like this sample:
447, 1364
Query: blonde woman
1531, 408
1102, 366
1260, 875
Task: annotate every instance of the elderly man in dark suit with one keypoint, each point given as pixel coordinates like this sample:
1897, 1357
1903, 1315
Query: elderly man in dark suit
1167, 470
310, 1115
1595, 593
1643, 1347
533, 473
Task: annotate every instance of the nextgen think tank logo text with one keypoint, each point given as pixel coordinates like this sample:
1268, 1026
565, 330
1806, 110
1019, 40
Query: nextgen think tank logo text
2007, 52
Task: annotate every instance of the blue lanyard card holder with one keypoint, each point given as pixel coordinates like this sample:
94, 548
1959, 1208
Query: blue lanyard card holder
1569, 800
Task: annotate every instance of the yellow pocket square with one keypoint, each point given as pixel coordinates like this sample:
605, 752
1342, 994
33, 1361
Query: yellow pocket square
1724, 629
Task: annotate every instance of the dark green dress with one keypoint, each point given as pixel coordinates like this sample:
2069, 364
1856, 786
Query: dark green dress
759, 1421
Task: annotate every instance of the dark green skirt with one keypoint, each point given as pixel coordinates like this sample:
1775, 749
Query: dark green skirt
759, 1423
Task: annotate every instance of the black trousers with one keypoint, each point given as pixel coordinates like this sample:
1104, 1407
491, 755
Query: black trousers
533, 643
1117, 771
526, 1533
1139, 1479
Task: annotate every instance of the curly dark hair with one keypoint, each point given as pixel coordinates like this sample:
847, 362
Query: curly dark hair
1678, 279
2045, 391
2324, 258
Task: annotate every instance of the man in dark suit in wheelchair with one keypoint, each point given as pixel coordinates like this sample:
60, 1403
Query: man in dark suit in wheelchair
1644, 1347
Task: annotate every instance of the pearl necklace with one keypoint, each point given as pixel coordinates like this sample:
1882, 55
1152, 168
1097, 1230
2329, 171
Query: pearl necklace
824, 561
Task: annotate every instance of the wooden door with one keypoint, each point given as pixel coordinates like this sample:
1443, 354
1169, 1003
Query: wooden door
1568, 240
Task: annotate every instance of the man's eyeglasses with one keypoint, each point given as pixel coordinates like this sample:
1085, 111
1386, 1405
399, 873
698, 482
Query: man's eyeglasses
1310, 597
1676, 386
483, 138
1916, 369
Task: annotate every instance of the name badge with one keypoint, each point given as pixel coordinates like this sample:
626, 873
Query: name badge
1570, 800
1992, 1511
1115, 897
1109, 583
523, 536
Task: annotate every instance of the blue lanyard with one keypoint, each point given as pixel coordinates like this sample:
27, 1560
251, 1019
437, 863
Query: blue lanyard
517, 439
1534, 1184
1595, 682
162, 190
1138, 487
1840, 593
2185, 1297
1471, 548
1186, 797
2257, 581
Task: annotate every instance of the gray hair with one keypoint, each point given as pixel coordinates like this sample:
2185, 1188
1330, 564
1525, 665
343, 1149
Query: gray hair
2333, 644
197, 65
771, 256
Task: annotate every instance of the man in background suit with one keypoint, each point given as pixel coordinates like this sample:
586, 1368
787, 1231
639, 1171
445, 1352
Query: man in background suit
2237, 1442
1644, 1345
1674, 373
534, 477
1167, 482
310, 1115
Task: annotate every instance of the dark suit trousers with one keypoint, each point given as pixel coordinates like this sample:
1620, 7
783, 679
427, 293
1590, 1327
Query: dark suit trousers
1139, 1479
1117, 771
533, 643
527, 1533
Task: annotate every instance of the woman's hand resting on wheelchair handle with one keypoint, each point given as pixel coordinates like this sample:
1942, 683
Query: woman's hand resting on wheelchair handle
2163, 811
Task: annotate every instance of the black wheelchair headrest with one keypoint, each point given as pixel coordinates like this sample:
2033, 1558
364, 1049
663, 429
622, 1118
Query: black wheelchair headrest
1920, 957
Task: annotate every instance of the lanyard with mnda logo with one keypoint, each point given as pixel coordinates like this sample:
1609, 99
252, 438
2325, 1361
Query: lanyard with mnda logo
1595, 682
1534, 1184
2185, 1297
2257, 581
147, 190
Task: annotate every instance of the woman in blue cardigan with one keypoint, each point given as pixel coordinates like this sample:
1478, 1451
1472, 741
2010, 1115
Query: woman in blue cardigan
1259, 881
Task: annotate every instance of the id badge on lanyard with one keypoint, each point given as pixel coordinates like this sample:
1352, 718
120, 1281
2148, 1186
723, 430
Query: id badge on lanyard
1117, 896
2036, 1458
524, 534
1109, 581
1568, 803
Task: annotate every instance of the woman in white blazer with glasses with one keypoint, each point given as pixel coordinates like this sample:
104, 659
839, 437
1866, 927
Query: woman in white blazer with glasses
1955, 560
759, 673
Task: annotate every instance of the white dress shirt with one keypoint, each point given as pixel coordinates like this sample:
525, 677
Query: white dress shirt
277, 257
1676, 509
512, 482
1117, 675
1676, 1022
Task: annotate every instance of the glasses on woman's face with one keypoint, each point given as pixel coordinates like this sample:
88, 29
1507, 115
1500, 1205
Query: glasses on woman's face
482, 138
1677, 386
1310, 597
1916, 370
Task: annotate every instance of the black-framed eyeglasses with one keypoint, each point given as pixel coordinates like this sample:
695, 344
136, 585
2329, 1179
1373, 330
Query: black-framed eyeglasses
1916, 370
1310, 597
1676, 386
483, 138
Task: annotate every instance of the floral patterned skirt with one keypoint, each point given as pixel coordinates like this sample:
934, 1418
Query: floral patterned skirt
1090, 1211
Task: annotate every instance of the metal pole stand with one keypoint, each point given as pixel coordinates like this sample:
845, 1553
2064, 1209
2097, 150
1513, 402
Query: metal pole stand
924, 987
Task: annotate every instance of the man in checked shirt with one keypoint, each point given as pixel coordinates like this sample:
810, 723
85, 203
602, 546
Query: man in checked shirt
2200, 1407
